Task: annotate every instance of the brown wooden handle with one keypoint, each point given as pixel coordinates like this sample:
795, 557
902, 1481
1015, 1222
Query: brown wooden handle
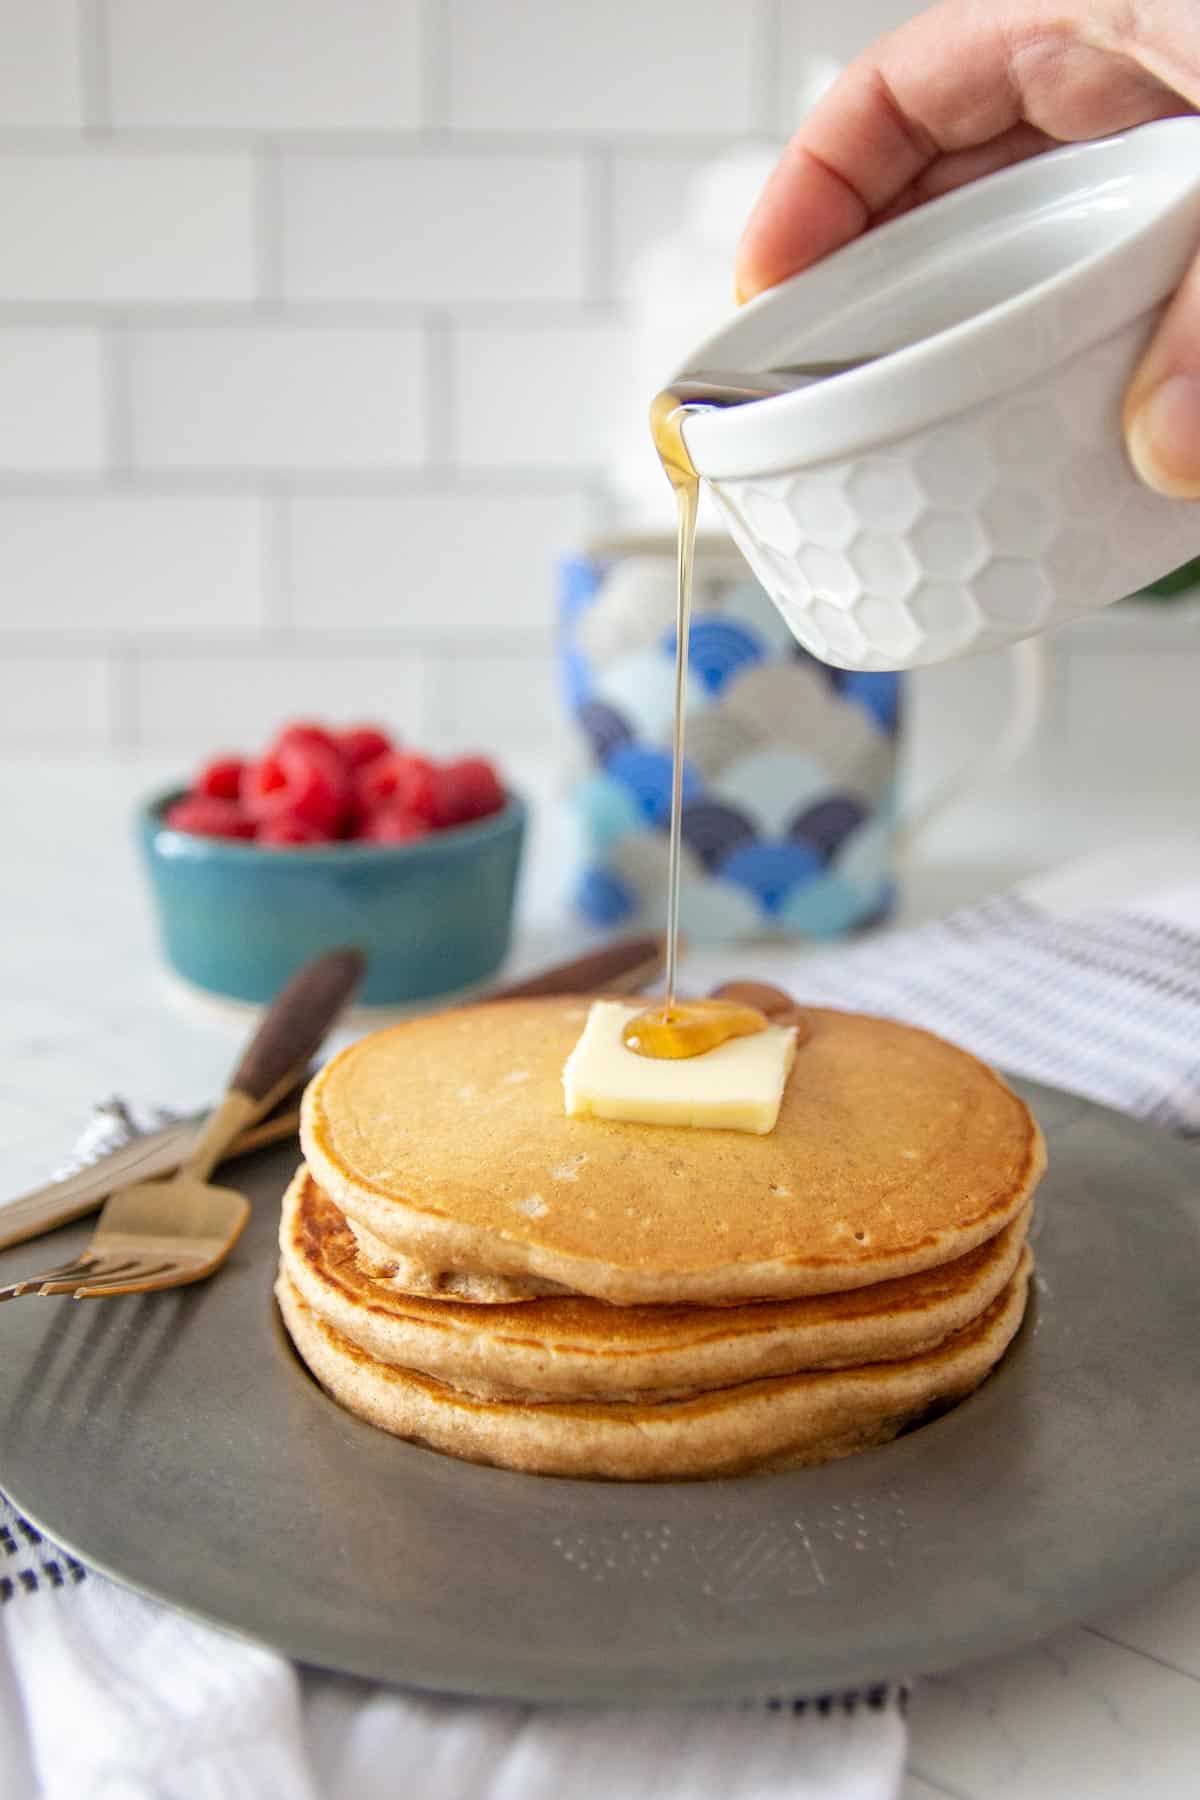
297, 1020
631, 964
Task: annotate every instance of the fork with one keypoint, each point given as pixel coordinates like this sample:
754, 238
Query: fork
163, 1234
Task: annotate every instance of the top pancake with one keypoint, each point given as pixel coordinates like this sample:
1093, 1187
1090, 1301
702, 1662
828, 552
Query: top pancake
446, 1137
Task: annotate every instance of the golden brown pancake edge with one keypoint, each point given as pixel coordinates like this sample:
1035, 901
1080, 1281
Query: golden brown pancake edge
445, 1139
575, 1347
782, 1422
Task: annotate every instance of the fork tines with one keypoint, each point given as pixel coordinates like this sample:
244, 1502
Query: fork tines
89, 1271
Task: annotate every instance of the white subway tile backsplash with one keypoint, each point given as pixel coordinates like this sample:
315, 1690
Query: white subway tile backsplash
438, 227
52, 400
623, 66
495, 702
277, 398
107, 226
809, 35
302, 338
129, 563
551, 397
235, 701
432, 562
647, 195
39, 64
266, 64
54, 700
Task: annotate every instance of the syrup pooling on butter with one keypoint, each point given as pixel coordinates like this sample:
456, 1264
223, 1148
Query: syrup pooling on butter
669, 1033
676, 1029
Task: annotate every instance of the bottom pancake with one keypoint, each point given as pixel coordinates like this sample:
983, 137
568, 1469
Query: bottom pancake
783, 1422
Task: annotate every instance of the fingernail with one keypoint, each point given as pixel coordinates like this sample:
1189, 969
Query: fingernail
1164, 437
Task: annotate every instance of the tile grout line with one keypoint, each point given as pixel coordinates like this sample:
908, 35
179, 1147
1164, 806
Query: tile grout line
767, 104
95, 83
363, 315
499, 481
518, 645
435, 67
333, 141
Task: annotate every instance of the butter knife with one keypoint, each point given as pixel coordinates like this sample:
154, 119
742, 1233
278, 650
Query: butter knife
621, 968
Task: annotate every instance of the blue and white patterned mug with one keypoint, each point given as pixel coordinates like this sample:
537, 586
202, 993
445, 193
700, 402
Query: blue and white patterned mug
789, 782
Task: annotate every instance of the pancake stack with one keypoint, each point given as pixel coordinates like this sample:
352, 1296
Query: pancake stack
465, 1266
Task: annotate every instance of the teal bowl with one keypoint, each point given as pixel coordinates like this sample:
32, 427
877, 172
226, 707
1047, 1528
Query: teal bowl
432, 916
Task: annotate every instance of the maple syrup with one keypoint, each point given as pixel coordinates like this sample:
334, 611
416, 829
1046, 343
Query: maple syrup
673, 1028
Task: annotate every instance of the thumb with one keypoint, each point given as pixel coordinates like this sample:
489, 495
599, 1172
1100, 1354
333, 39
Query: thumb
1162, 407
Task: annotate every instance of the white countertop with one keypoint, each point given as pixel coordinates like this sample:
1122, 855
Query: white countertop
1108, 1709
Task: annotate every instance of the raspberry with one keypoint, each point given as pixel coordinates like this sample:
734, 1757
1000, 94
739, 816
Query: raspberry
309, 734
220, 779
290, 828
392, 824
408, 781
359, 745
467, 789
297, 779
204, 815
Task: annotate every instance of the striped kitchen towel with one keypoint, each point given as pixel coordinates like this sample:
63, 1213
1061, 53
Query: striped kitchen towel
1052, 982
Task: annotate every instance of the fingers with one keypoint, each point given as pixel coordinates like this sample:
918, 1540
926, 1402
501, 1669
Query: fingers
950, 172
958, 91
885, 121
1162, 407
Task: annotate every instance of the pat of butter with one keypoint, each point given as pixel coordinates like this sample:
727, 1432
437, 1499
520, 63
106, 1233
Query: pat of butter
736, 1087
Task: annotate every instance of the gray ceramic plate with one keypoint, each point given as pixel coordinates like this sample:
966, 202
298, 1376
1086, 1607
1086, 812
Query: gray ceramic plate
174, 1442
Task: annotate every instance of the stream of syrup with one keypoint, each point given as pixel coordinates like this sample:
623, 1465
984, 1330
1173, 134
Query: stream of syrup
675, 1028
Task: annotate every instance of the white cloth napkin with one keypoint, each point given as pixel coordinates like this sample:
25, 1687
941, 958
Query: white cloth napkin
1089, 980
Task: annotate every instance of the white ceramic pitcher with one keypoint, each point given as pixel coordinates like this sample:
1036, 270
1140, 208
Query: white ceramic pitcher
971, 486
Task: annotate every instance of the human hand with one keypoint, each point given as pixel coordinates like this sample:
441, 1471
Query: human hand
969, 87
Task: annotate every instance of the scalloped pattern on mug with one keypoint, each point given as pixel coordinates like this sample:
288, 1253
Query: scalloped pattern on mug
825, 907
864, 860
717, 649
715, 741
641, 688
603, 897
769, 786
647, 775
642, 861
714, 831
606, 729
787, 761
747, 604
717, 912
878, 692
606, 810
771, 870
827, 823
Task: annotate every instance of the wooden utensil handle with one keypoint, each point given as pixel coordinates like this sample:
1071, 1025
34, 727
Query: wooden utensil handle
297, 1020
633, 962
